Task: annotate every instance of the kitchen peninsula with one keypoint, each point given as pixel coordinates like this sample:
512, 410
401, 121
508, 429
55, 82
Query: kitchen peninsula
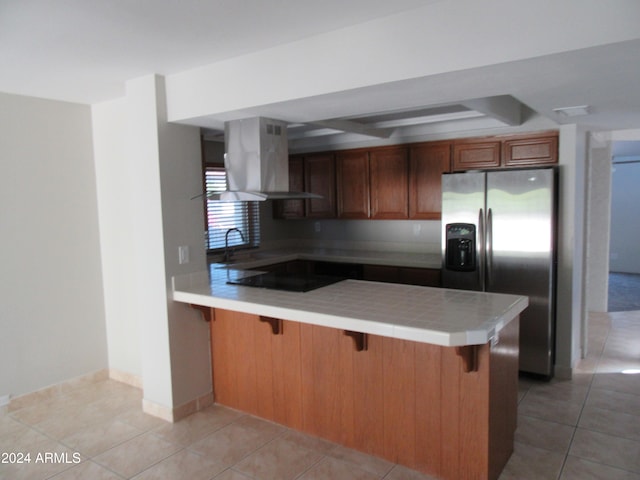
425, 377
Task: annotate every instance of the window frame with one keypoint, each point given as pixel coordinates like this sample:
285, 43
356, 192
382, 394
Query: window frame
242, 215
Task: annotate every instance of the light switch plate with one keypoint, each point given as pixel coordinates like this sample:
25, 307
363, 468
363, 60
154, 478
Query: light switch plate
183, 254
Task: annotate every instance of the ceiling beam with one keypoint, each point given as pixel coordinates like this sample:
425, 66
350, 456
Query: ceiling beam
504, 108
354, 127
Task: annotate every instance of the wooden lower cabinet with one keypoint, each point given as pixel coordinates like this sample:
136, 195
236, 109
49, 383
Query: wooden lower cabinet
408, 402
251, 366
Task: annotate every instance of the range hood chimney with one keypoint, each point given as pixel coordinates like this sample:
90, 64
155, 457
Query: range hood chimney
257, 161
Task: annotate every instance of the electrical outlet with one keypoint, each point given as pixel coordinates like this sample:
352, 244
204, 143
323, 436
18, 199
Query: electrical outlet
317, 227
417, 228
4, 400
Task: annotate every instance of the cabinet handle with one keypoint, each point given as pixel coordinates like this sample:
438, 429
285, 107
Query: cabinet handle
275, 323
360, 340
489, 249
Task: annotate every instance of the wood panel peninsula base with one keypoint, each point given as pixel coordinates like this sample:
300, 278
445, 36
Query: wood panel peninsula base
446, 411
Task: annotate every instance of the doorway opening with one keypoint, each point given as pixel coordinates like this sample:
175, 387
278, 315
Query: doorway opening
624, 292
624, 246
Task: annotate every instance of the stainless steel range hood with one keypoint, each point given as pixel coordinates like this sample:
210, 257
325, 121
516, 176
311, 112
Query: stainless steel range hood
257, 161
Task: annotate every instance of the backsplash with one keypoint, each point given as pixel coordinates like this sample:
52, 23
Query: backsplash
419, 236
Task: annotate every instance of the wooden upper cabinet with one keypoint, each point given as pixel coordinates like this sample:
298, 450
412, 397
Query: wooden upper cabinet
476, 154
402, 181
389, 183
320, 178
525, 150
352, 174
291, 209
427, 163
530, 150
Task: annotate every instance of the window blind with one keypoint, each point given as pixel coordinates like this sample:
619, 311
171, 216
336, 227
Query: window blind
221, 216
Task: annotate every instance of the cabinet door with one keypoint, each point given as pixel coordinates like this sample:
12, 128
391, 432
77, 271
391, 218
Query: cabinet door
426, 277
427, 163
234, 373
327, 383
352, 169
381, 273
471, 155
255, 370
320, 178
530, 151
389, 183
292, 208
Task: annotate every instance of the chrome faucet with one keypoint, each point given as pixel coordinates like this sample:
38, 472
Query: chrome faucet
227, 255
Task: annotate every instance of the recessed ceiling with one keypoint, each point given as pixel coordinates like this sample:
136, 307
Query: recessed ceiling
498, 111
603, 77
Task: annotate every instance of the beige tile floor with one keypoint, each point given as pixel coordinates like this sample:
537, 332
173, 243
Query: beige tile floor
587, 428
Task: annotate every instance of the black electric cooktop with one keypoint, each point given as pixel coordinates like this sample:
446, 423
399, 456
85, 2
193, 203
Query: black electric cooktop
291, 282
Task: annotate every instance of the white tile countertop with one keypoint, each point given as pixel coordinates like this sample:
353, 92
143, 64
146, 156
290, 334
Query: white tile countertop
438, 316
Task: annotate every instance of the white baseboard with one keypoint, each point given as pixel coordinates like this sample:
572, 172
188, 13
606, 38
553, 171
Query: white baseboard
56, 390
124, 377
172, 415
563, 373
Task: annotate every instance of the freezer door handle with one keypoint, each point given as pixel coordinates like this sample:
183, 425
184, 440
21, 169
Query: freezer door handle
479, 246
489, 248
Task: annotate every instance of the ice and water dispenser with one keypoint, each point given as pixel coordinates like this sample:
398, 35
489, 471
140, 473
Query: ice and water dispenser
460, 251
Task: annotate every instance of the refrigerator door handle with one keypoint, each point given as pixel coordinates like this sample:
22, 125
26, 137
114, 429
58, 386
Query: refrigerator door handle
489, 248
479, 249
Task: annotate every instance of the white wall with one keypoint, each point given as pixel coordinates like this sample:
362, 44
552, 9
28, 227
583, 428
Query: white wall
147, 269
625, 217
51, 301
116, 191
180, 162
598, 224
570, 310
148, 171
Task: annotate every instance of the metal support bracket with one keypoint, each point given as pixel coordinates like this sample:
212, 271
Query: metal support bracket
275, 323
360, 340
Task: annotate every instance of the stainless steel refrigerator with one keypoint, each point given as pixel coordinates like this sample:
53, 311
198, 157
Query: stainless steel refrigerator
499, 235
